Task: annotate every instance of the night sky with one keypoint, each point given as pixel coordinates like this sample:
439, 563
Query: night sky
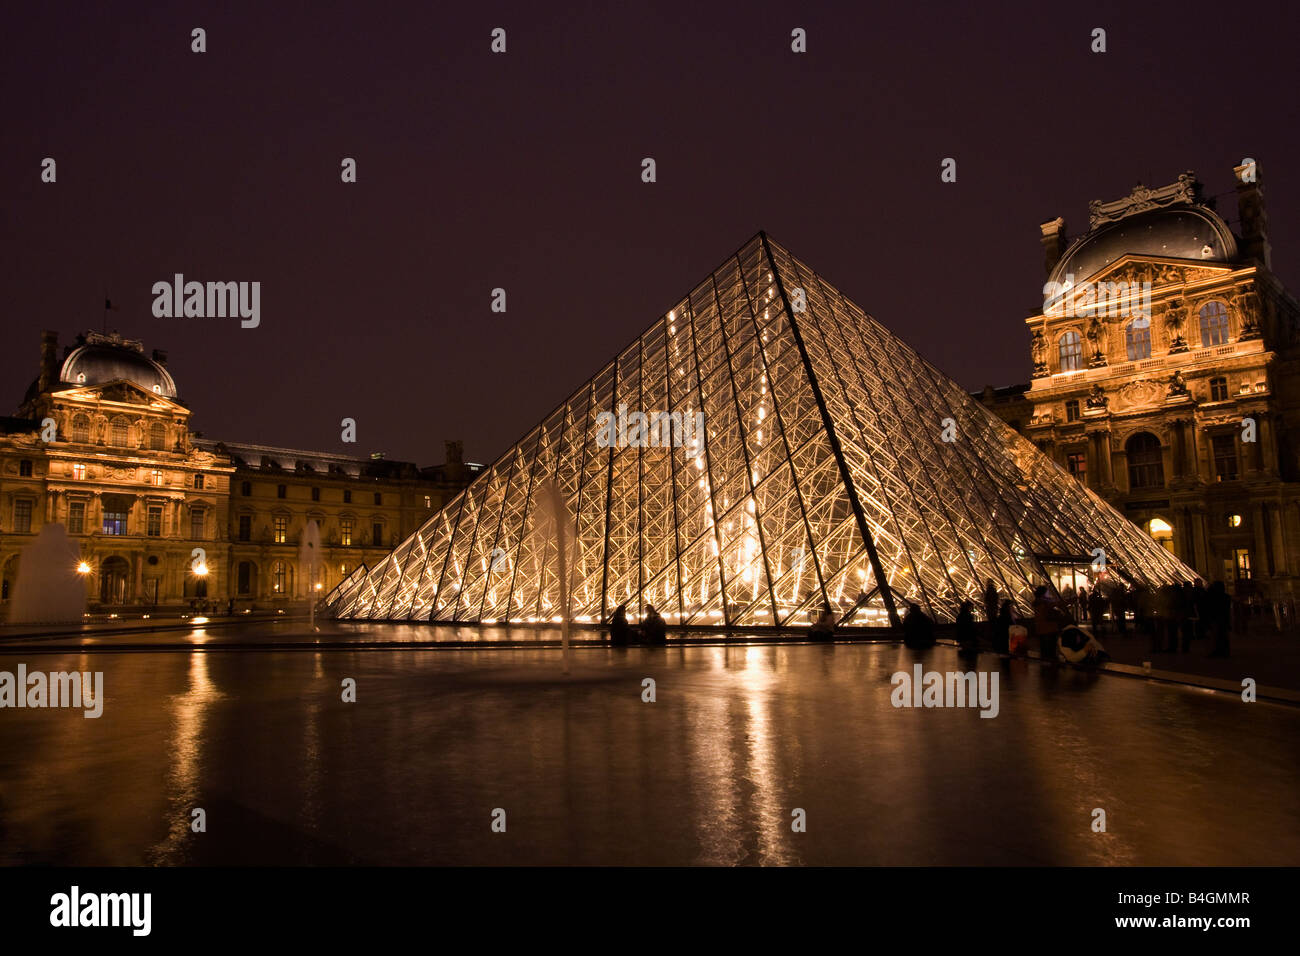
523, 170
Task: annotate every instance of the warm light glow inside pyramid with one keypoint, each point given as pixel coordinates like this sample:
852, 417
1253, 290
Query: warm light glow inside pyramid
831, 460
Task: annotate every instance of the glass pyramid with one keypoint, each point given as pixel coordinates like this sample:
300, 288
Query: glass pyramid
821, 477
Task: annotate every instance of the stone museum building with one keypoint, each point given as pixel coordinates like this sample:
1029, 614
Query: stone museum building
1164, 377
102, 443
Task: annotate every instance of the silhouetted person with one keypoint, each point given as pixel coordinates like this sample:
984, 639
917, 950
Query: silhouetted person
990, 601
823, 628
1199, 598
1096, 609
1119, 600
1219, 615
918, 630
967, 640
620, 632
1002, 628
653, 628
230, 607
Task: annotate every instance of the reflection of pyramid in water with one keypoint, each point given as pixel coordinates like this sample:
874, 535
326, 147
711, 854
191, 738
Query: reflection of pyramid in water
823, 472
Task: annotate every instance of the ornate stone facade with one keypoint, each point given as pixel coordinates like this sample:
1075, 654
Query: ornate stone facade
123, 472
1164, 367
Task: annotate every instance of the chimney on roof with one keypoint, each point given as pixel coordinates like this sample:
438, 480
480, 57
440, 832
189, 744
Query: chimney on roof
160, 356
455, 452
1054, 242
1254, 219
49, 374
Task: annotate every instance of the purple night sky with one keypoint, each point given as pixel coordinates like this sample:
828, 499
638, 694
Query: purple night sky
522, 171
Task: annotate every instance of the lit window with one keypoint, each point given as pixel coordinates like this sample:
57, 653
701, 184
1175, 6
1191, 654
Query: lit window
1242, 556
428, 502
155, 477
1077, 464
1234, 521
1218, 389
1214, 324
1162, 531
114, 522
79, 471
1137, 339
345, 532
281, 529
279, 576
1070, 349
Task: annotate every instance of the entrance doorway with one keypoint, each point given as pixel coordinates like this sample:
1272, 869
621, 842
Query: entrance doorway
114, 573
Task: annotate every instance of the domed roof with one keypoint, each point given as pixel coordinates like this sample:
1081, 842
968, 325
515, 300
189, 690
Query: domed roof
103, 359
1172, 232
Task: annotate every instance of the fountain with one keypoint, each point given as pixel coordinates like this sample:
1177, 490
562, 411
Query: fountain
309, 559
555, 520
49, 589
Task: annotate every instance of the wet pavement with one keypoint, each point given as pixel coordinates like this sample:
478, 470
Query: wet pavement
587, 773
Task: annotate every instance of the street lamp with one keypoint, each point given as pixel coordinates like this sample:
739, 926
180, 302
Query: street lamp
83, 568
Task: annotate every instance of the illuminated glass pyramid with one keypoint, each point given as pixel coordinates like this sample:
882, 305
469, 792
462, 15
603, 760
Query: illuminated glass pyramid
832, 460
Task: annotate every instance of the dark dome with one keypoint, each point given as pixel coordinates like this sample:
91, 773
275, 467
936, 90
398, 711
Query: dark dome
1175, 232
98, 363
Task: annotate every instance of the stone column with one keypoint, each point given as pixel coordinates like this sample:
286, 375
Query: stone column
1259, 552
1279, 539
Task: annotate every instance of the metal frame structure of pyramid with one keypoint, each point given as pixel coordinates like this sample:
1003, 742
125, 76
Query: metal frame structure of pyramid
833, 459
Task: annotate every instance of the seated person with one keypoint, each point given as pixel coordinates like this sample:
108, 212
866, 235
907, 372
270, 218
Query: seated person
1078, 645
824, 627
620, 632
653, 628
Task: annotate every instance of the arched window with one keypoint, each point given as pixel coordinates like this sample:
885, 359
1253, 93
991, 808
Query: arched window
121, 433
1070, 348
1137, 339
280, 578
1214, 324
81, 428
1146, 466
1162, 532
158, 436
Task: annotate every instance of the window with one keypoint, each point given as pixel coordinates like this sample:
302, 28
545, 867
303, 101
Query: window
24, 469
198, 482
379, 498
1242, 556
279, 577
121, 432
245, 527
1076, 462
1146, 468
155, 477
81, 428
1072, 410
114, 522
1162, 532
377, 534
281, 529
153, 521
1225, 457
77, 517
1218, 389
245, 578
345, 532
315, 494
79, 471
1137, 339
246, 488
1234, 521
347, 496
282, 491
158, 436
428, 502
1070, 349
22, 517
1214, 324
197, 517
